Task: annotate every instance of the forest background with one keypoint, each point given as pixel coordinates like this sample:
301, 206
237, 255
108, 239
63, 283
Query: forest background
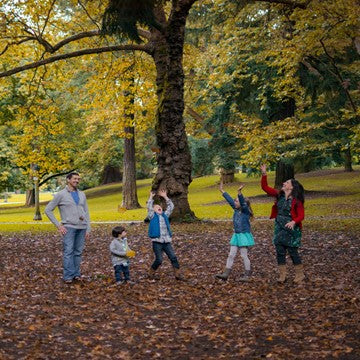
253, 82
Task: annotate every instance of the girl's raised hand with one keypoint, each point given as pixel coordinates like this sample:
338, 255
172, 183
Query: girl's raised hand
221, 187
263, 169
162, 193
240, 188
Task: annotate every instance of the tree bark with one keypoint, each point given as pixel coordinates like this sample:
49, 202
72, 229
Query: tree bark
284, 172
227, 176
111, 174
173, 159
347, 160
129, 192
30, 198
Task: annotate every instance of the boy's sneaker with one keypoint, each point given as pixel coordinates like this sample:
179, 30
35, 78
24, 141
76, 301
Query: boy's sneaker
130, 282
68, 281
120, 282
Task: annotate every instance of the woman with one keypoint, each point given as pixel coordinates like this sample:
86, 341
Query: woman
288, 212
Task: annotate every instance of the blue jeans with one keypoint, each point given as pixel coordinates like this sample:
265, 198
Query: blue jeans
121, 269
73, 246
167, 248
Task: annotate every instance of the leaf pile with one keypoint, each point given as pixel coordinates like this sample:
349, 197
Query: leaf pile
201, 318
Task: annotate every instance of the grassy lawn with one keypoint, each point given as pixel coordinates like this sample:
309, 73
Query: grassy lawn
329, 193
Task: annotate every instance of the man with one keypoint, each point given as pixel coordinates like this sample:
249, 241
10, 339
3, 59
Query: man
74, 226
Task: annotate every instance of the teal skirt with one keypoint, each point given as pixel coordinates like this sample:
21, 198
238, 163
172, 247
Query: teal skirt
242, 239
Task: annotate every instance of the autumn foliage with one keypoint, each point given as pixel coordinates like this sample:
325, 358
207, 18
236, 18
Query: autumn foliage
201, 318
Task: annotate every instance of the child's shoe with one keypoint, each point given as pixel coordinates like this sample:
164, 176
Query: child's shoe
152, 274
246, 276
224, 275
178, 274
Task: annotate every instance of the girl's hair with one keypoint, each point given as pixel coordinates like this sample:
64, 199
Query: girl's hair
297, 191
250, 208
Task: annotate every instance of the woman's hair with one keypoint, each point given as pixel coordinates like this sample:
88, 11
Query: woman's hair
297, 191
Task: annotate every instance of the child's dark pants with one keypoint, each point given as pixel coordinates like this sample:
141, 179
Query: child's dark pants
281, 254
119, 269
167, 248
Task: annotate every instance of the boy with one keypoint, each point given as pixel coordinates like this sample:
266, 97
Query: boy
120, 254
160, 233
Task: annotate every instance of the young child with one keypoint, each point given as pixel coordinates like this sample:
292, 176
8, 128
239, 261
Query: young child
120, 254
288, 211
242, 237
160, 234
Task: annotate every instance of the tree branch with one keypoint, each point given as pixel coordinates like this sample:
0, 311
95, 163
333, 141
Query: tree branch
78, 53
339, 76
287, 2
55, 175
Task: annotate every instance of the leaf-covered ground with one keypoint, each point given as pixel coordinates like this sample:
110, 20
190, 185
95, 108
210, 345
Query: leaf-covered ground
201, 318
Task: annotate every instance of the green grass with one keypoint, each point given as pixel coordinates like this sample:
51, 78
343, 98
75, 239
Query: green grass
330, 193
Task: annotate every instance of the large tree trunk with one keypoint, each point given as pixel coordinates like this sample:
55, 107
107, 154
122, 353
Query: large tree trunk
111, 174
284, 172
129, 192
174, 160
347, 160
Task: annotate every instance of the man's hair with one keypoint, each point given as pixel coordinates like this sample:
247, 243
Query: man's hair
70, 175
117, 230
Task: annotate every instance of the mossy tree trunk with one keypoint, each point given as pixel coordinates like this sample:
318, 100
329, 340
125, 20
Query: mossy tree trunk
173, 159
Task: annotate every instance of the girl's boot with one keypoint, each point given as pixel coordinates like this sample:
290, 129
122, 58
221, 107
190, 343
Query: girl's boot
224, 275
282, 273
246, 276
299, 274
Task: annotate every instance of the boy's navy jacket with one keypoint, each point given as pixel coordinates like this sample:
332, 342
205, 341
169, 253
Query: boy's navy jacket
154, 226
241, 217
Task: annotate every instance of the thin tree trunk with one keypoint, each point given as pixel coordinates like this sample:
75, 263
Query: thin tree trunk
347, 160
30, 198
284, 172
111, 174
129, 192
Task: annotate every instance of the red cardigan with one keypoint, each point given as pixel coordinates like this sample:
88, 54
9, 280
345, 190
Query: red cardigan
297, 207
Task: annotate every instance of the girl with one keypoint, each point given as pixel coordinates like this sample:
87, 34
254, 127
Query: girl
242, 237
288, 212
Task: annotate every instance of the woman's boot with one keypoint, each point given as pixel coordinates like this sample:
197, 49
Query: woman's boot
224, 275
299, 274
282, 273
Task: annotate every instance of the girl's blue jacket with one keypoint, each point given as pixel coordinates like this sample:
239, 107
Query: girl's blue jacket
241, 217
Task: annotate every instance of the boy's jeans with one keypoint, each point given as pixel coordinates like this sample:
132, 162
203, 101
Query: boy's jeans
73, 245
167, 248
121, 269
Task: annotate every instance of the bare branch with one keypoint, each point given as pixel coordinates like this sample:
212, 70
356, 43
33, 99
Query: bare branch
78, 53
339, 76
55, 175
47, 17
88, 15
293, 4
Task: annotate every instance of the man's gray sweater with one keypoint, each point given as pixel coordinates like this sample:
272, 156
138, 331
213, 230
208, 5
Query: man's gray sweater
72, 214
